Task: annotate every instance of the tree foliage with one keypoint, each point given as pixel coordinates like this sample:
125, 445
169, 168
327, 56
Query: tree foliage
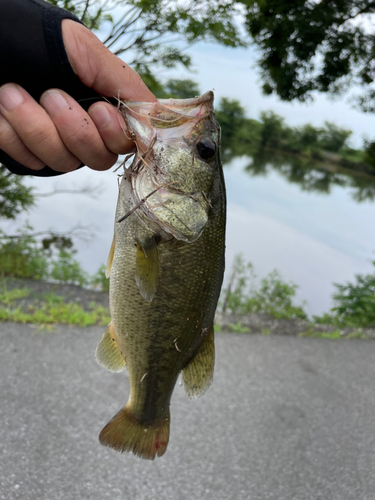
27, 256
309, 45
149, 31
239, 135
15, 197
178, 89
354, 303
246, 136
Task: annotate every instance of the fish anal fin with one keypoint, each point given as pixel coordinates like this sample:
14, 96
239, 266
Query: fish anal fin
108, 354
147, 268
110, 258
126, 433
197, 376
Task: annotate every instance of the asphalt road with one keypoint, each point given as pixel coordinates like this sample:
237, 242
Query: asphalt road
287, 418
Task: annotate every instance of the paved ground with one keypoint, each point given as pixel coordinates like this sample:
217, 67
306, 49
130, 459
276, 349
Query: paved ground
286, 419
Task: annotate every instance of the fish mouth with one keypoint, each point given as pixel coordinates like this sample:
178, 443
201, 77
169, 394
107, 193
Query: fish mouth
145, 119
168, 201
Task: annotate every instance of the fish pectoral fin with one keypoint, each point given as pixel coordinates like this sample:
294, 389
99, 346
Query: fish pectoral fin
108, 354
197, 376
147, 268
110, 258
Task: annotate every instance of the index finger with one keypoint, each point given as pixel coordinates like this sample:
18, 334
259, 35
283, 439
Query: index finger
98, 68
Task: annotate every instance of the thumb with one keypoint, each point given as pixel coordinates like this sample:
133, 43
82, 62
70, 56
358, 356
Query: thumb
98, 68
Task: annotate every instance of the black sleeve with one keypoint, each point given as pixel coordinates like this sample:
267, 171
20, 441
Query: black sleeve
32, 54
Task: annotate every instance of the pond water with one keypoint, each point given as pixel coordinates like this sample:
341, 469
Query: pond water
315, 225
309, 226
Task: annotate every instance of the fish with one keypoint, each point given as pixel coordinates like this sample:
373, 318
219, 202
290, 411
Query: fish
165, 267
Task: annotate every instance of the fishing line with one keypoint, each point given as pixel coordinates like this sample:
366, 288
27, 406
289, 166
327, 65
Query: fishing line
143, 200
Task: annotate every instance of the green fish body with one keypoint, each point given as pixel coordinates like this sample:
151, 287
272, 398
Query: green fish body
165, 266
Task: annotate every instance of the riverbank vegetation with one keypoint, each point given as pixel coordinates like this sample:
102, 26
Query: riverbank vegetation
25, 256
353, 302
253, 137
20, 305
243, 293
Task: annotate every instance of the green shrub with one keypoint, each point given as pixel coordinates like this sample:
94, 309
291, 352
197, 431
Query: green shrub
26, 257
22, 258
238, 328
273, 295
66, 269
355, 302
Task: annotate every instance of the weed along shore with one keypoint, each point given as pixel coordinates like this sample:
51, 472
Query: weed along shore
41, 302
45, 303
266, 324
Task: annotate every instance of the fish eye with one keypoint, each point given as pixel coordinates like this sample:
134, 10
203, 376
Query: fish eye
206, 148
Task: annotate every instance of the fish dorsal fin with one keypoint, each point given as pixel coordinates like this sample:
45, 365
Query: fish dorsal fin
108, 354
147, 268
110, 258
197, 376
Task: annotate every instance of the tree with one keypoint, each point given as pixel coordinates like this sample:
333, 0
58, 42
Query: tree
15, 197
333, 138
230, 115
274, 131
355, 302
179, 89
307, 136
308, 46
149, 31
369, 153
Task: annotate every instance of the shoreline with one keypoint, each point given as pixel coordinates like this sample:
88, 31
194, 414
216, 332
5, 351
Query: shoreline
251, 324
265, 324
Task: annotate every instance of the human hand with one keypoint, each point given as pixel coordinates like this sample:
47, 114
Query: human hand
58, 132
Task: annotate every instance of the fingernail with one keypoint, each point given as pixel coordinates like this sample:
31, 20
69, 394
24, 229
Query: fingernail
100, 115
53, 102
10, 97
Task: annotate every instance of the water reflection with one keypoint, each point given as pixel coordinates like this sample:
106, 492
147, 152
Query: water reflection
310, 175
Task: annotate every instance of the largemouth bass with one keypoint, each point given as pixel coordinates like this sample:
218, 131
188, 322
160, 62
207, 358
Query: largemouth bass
165, 267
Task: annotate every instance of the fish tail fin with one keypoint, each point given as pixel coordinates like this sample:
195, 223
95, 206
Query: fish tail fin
126, 433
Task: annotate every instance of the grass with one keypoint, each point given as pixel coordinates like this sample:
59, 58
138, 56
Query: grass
51, 309
336, 334
9, 296
238, 328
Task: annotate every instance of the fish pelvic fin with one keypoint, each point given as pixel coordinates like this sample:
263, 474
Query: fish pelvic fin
126, 433
147, 268
108, 353
197, 376
110, 258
